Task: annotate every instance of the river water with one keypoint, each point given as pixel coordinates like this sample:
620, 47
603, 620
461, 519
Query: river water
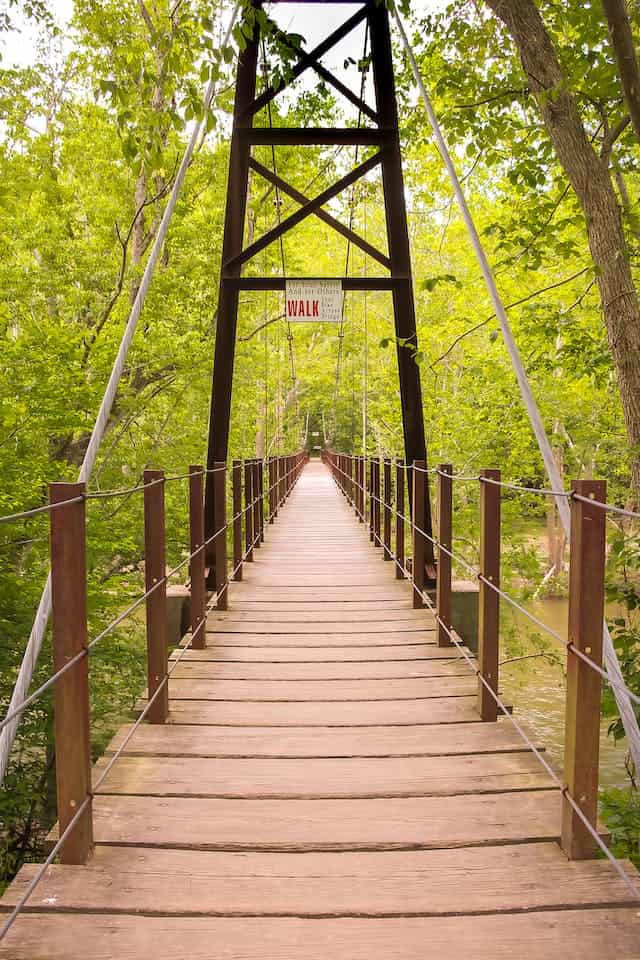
536, 687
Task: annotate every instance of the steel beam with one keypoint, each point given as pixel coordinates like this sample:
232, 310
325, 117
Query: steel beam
294, 219
348, 283
300, 198
400, 256
319, 51
227, 318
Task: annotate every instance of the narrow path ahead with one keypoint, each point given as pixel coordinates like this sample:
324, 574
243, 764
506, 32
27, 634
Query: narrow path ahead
325, 786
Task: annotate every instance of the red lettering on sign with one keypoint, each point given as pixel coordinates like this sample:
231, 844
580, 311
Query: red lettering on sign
303, 308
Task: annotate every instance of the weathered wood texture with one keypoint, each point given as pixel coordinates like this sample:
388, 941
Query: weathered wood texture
324, 777
416, 740
290, 654
327, 884
565, 934
328, 714
320, 673
297, 691
324, 785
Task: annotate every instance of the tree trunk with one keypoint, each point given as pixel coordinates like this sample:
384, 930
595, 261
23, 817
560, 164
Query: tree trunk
137, 246
591, 180
625, 54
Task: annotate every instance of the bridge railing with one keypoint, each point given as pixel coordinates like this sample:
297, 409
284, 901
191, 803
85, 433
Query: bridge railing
376, 488
256, 490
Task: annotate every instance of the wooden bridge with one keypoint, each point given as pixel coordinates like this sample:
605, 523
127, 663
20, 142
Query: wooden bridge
323, 784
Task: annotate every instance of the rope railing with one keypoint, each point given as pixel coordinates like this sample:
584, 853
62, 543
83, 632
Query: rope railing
463, 562
163, 581
103, 495
70, 624
354, 490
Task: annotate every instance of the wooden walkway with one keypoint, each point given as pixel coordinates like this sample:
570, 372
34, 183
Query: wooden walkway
324, 786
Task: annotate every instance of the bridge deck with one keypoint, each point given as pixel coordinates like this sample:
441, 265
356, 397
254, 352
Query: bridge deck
324, 785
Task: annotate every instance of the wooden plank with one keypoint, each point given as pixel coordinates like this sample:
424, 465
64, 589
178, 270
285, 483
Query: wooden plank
294, 691
378, 824
417, 740
296, 612
333, 714
401, 883
313, 778
389, 591
319, 672
329, 606
320, 613
561, 935
311, 633
221, 652
356, 578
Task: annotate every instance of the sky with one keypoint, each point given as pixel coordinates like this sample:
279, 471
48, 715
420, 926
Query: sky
313, 21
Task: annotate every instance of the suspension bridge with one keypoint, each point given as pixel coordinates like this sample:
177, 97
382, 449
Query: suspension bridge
321, 763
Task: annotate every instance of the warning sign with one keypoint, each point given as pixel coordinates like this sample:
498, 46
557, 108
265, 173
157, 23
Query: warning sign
319, 301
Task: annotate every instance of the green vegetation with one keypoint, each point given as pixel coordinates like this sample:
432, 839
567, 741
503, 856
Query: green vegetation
91, 132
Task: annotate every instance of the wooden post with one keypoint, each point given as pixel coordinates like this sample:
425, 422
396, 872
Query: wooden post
236, 481
220, 497
198, 600
372, 516
260, 466
355, 479
71, 691
489, 601
155, 573
400, 498
387, 555
248, 511
443, 584
256, 501
419, 545
582, 719
355, 490
273, 499
377, 539
363, 489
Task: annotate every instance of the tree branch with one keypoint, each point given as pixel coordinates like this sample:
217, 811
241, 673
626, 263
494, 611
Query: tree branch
508, 306
517, 92
261, 327
124, 244
613, 134
146, 16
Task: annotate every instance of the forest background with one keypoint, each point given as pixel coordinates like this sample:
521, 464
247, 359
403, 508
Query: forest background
91, 132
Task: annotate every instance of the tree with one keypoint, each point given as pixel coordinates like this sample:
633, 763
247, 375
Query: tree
590, 177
